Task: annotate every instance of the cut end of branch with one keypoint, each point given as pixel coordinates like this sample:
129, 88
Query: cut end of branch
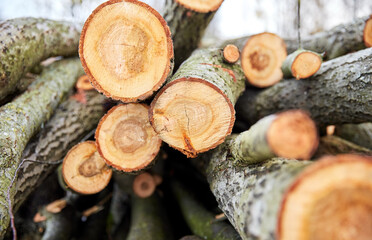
367, 33
125, 138
306, 64
201, 6
192, 115
231, 53
144, 185
126, 49
262, 58
56, 206
83, 83
84, 171
293, 134
331, 199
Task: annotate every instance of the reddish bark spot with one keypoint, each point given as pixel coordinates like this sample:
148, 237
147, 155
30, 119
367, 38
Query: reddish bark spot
230, 72
80, 96
189, 14
189, 149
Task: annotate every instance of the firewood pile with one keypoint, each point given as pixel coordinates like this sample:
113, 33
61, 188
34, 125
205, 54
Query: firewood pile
149, 135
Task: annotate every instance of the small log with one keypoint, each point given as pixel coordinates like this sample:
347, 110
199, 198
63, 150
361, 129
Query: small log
367, 32
127, 54
301, 64
148, 219
360, 134
83, 83
231, 53
144, 185
194, 112
187, 20
22, 118
125, 138
334, 95
84, 170
262, 56
201, 221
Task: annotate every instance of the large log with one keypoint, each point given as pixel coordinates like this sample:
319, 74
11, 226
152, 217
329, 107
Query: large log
194, 112
187, 20
340, 92
360, 134
24, 42
22, 118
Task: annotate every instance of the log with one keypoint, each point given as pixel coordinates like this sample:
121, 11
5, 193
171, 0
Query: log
22, 118
338, 41
191, 237
334, 95
194, 111
127, 54
71, 121
27, 41
201, 222
301, 64
187, 20
290, 199
231, 53
360, 134
148, 219
125, 138
142, 185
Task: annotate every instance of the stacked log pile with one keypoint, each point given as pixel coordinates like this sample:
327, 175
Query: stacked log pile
253, 125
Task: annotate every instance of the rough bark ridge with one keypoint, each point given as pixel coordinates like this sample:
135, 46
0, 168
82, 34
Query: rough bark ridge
340, 92
24, 42
360, 134
187, 27
72, 120
22, 118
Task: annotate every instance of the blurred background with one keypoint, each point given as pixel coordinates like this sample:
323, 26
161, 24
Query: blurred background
235, 18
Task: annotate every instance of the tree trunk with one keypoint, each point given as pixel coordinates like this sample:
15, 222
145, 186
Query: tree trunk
194, 112
360, 134
22, 118
335, 95
27, 41
187, 25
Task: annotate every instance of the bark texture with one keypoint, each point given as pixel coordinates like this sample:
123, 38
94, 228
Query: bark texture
340, 92
187, 27
360, 134
71, 121
201, 221
22, 118
24, 42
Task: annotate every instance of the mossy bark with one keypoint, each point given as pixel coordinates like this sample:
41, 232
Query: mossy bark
71, 121
360, 134
27, 41
201, 221
340, 92
187, 27
22, 118
148, 219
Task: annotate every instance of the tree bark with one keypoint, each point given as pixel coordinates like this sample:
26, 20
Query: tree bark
187, 26
22, 118
201, 221
360, 134
339, 93
27, 41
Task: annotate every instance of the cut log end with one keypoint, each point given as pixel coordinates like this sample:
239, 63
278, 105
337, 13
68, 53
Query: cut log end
84, 171
125, 138
192, 115
305, 65
262, 58
144, 185
329, 200
367, 33
83, 83
293, 134
127, 53
231, 53
201, 6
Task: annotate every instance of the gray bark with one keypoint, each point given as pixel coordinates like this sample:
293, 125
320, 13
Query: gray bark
360, 134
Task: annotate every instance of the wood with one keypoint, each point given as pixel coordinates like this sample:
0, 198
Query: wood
27, 41
262, 56
301, 64
367, 32
201, 222
290, 134
194, 111
83, 83
360, 134
127, 54
22, 118
187, 20
144, 185
125, 138
334, 95
231, 53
